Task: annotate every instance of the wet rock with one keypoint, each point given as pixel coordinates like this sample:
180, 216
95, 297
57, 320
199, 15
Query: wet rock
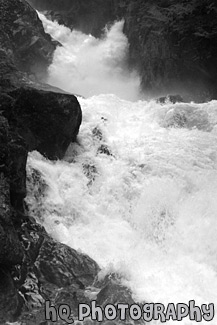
37, 186
169, 46
114, 292
48, 121
63, 266
103, 149
11, 251
50, 271
18, 158
90, 171
23, 38
72, 296
170, 98
10, 300
97, 133
187, 117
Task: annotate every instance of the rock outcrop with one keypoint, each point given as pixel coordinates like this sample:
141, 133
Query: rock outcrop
174, 46
47, 120
24, 43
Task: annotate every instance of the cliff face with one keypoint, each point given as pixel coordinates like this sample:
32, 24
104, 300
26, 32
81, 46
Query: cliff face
173, 44
23, 39
87, 16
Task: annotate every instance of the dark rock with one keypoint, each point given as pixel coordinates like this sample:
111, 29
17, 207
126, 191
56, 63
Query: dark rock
174, 46
170, 98
23, 40
50, 271
72, 296
114, 292
97, 133
18, 159
63, 266
10, 300
103, 149
37, 186
90, 171
48, 121
11, 251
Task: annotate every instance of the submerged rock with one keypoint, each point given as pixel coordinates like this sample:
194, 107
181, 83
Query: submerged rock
170, 98
186, 116
103, 149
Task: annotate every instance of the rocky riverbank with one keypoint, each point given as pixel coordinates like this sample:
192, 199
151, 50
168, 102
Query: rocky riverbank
35, 116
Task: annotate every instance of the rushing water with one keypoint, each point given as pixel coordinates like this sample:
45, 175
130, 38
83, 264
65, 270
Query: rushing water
89, 66
148, 209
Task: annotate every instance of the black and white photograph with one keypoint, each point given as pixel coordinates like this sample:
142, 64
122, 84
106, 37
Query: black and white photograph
108, 162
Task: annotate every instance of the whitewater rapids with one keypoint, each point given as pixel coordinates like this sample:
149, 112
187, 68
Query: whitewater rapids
137, 196
148, 211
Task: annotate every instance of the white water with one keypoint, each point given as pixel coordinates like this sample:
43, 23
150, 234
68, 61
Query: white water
150, 212
89, 66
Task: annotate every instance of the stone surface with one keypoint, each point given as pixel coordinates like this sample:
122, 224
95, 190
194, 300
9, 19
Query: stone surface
10, 300
23, 40
11, 251
47, 120
64, 266
173, 44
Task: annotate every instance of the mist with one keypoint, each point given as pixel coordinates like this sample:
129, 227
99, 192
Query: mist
89, 66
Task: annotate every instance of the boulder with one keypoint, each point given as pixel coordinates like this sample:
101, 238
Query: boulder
48, 121
63, 266
11, 250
